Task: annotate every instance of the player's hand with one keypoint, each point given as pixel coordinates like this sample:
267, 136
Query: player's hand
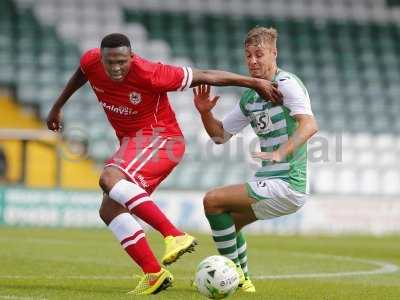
269, 156
54, 120
269, 91
202, 100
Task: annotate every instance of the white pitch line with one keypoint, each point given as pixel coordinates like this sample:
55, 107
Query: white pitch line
13, 297
383, 268
42, 240
52, 277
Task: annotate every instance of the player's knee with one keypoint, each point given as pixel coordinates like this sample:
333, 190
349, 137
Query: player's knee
108, 178
210, 202
104, 181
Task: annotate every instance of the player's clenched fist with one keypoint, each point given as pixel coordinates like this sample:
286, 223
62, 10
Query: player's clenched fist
53, 120
269, 91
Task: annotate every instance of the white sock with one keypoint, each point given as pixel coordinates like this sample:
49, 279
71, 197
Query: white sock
126, 229
128, 194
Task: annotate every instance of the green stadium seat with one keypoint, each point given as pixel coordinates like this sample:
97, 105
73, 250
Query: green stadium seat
317, 53
351, 70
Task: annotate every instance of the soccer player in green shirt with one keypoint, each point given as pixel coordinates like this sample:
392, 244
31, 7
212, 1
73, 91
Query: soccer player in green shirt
280, 186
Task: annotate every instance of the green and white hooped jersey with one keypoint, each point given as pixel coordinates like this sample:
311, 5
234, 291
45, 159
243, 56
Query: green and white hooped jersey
274, 125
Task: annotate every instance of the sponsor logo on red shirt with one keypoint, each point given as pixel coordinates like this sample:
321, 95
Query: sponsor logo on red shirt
122, 110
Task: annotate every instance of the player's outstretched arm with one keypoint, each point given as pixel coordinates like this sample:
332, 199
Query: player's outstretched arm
76, 81
266, 89
204, 104
307, 128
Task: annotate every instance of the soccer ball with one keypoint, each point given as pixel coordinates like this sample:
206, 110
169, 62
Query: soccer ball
216, 277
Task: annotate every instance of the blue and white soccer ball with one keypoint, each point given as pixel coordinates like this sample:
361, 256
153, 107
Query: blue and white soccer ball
216, 277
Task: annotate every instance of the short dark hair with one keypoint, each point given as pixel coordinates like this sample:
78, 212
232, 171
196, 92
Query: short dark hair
115, 40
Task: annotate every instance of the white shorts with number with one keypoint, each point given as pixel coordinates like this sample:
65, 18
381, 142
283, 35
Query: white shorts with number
274, 198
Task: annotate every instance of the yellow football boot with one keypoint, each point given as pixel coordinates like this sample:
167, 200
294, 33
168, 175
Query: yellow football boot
242, 279
176, 246
248, 286
153, 283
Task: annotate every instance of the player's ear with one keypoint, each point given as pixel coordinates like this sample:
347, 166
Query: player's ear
275, 52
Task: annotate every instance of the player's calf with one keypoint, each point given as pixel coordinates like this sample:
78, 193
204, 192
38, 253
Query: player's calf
132, 238
139, 203
110, 209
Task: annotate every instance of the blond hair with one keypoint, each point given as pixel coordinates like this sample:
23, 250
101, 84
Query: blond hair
260, 36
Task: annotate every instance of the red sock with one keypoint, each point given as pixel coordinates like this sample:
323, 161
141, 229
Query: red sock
141, 253
150, 213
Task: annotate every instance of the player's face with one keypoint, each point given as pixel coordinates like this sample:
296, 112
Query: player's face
261, 60
116, 62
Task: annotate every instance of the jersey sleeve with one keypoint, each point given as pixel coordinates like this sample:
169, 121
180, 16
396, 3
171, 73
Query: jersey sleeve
87, 59
167, 78
235, 121
295, 97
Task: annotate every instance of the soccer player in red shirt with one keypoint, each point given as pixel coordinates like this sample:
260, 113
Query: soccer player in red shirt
133, 94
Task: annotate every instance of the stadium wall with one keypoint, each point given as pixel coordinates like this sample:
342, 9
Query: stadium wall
322, 214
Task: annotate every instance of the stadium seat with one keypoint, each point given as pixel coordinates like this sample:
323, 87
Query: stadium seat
370, 181
389, 179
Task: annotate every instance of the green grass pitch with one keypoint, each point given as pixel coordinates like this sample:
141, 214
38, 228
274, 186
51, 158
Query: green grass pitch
89, 264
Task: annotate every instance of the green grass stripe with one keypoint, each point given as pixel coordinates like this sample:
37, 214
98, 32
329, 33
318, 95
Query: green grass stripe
82, 264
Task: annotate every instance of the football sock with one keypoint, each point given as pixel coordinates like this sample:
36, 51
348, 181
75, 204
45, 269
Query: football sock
151, 214
132, 238
242, 252
140, 204
224, 235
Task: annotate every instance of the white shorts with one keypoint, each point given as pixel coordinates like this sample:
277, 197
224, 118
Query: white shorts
275, 198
